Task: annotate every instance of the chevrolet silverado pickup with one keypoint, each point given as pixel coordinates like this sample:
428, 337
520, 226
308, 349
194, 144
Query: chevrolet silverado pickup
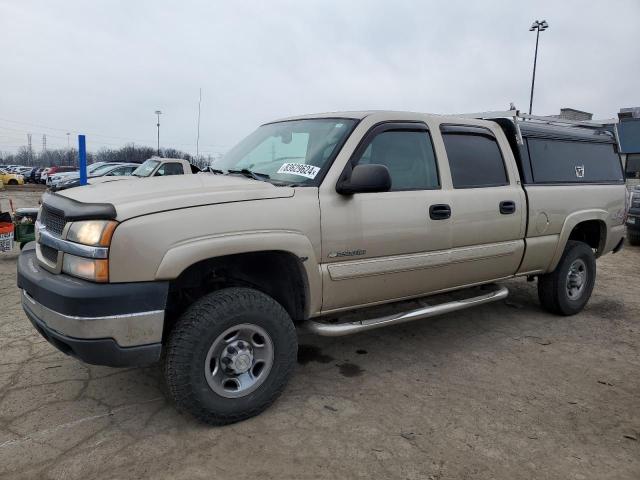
310, 221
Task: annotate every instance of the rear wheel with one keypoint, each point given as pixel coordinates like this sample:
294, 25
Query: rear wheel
12, 182
230, 355
567, 289
634, 237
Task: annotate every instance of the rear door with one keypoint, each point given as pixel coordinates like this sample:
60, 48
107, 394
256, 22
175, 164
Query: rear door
488, 218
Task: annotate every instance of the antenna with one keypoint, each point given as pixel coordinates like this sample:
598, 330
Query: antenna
198, 136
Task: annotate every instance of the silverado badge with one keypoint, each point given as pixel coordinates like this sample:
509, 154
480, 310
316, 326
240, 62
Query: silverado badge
347, 253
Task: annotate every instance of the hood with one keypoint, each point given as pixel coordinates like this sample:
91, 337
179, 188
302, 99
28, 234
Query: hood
111, 178
148, 195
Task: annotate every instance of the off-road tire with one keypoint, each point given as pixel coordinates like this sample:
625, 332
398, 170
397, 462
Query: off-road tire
197, 329
552, 291
12, 182
633, 237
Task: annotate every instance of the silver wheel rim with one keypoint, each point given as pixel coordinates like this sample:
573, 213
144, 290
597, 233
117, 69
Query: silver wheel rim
239, 360
577, 277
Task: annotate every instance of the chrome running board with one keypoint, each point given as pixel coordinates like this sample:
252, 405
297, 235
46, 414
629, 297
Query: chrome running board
340, 329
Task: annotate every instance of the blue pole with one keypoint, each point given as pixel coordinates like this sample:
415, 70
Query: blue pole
82, 156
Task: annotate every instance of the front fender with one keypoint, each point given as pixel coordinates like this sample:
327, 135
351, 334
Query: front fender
184, 254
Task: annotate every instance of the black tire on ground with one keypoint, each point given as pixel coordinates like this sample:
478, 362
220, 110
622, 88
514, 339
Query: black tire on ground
200, 327
633, 237
12, 182
553, 287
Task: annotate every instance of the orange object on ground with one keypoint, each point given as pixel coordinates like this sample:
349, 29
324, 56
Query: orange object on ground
6, 237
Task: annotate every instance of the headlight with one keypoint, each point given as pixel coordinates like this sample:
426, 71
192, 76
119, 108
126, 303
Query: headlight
87, 268
92, 232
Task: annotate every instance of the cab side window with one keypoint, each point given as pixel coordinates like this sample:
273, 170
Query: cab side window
169, 169
474, 156
408, 155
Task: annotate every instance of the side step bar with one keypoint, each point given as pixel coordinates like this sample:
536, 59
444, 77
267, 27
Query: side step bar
340, 329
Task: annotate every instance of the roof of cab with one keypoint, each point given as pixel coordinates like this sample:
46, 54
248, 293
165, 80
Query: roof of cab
356, 115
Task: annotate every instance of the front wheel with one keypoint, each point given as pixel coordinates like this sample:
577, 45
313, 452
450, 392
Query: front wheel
567, 289
633, 237
230, 355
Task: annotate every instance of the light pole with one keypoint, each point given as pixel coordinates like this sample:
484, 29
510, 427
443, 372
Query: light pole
537, 26
158, 113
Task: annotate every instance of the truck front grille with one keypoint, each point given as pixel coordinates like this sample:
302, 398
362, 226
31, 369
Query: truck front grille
52, 220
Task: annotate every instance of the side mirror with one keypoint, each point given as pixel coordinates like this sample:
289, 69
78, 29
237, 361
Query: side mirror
366, 179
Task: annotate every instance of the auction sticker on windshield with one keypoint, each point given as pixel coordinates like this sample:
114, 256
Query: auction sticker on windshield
309, 171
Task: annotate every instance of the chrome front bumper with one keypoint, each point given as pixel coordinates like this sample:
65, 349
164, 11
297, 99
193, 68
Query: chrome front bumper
127, 330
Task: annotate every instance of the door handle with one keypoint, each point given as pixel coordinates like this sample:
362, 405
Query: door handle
439, 211
507, 207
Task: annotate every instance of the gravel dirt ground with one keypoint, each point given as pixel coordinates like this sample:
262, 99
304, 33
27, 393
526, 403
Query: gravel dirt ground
504, 391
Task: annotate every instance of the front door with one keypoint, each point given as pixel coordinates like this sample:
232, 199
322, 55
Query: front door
385, 246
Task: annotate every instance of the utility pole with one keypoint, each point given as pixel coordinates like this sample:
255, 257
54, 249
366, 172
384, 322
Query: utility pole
198, 137
68, 144
158, 113
537, 26
29, 148
44, 143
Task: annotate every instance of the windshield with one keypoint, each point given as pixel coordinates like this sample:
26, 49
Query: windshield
102, 169
146, 169
94, 166
291, 152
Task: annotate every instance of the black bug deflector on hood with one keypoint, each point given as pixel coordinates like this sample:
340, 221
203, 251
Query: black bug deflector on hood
74, 210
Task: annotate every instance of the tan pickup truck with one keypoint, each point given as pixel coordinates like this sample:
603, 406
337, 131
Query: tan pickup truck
305, 222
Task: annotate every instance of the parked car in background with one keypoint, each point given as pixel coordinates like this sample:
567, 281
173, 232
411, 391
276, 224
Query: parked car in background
30, 177
9, 178
24, 171
53, 170
633, 216
106, 170
37, 174
43, 175
155, 167
56, 178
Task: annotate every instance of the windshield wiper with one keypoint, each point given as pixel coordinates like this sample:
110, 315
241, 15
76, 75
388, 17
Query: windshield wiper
251, 174
215, 170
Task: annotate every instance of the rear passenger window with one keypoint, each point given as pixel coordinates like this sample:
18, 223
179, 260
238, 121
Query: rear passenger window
560, 161
409, 157
474, 156
169, 169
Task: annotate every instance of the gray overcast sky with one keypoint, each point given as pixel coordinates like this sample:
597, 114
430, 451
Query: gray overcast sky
103, 67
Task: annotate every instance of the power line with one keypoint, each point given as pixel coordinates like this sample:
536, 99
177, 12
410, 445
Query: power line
94, 134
